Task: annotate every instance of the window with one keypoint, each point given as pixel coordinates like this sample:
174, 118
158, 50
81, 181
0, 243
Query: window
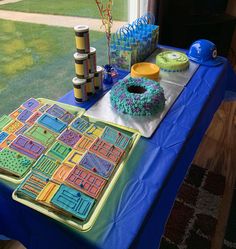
136, 9
36, 60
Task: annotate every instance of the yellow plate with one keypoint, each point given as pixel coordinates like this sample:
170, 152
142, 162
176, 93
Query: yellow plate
145, 69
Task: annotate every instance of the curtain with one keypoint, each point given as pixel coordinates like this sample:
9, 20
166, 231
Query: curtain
153, 7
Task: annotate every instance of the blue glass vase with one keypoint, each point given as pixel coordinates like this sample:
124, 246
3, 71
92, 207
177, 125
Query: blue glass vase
108, 80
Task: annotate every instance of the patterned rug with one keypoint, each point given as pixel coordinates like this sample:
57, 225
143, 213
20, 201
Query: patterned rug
193, 219
230, 233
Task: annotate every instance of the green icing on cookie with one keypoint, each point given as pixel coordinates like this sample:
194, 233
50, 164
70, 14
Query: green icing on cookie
4, 120
59, 151
14, 162
41, 135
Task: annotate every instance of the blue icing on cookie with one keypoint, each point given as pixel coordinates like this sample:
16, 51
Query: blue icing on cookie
3, 135
52, 123
73, 202
32, 185
24, 115
80, 125
96, 164
116, 138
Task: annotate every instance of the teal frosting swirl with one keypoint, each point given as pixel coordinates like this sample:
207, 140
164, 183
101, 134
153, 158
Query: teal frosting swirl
137, 97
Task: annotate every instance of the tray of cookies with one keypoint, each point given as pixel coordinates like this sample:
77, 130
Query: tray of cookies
28, 132
66, 164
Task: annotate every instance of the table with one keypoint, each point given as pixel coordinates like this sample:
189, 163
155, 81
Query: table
138, 207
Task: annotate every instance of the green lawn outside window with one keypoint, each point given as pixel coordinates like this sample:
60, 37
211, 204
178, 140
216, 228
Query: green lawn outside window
37, 61
82, 8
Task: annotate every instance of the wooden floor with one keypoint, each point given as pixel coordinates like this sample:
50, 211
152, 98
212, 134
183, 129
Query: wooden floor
11, 245
217, 152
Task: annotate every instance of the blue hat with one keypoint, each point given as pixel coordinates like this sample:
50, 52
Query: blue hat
204, 52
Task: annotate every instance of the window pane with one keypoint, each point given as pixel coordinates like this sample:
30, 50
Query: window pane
37, 60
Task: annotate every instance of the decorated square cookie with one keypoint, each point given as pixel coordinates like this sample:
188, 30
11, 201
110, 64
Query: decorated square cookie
67, 117
31, 120
47, 193
32, 185
85, 181
13, 127
27, 147
24, 115
56, 111
52, 123
4, 120
73, 202
97, 164
22, 129
94, 131
46, 165
69, 137
7, 141
41, 135
61, 173
31, 104
3, 136
59, 151
44, 108
84, 144
107, 151
115, 137
14, 162
60, 113
73, 158
17, 112
80, 125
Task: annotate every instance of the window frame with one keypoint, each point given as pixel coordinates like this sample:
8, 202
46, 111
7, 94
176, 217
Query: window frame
136, 8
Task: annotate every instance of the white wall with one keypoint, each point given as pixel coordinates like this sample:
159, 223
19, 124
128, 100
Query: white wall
136, 9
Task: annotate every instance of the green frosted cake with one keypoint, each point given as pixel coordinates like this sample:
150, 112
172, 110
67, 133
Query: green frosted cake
172, 61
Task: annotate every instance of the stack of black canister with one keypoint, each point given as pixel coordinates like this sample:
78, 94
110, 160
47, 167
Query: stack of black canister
89, 76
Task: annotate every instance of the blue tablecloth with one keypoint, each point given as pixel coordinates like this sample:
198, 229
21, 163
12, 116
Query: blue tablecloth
138, 207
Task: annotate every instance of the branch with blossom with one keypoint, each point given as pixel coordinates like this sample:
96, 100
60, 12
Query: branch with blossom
105, 12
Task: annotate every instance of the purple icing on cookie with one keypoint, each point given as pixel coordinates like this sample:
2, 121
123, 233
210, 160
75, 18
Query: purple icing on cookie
31, 104
27, 147
97, 164
70, 137
24, 115
60, 113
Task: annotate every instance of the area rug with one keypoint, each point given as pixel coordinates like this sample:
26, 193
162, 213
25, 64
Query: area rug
230, 233
193, 219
